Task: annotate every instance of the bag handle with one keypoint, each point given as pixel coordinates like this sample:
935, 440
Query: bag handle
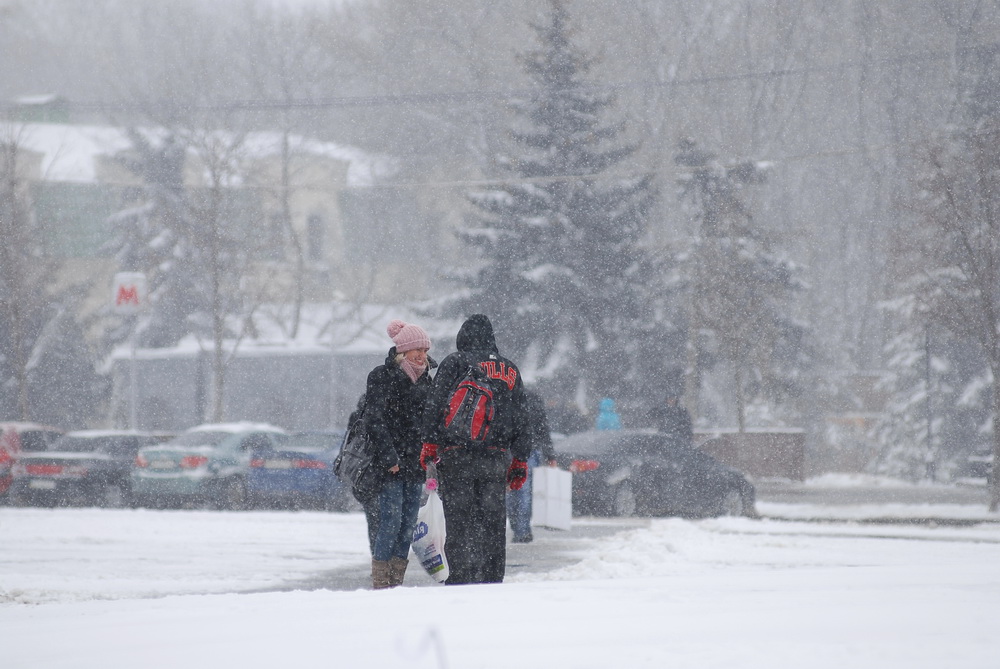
430, 482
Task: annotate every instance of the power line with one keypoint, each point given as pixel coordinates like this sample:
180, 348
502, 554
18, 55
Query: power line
469, 97
473, 97
517, 180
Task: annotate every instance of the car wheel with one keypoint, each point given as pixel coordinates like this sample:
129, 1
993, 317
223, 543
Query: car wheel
732, 503
624, 502
233, 495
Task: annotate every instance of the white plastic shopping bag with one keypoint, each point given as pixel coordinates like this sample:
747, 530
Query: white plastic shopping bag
551, 498
429, 535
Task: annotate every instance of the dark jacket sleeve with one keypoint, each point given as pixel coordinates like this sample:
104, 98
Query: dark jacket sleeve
538, 421
520, 435
377, 402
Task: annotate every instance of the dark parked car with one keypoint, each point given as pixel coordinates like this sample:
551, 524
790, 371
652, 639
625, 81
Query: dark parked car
85, 467
640, 473
16, 437
298, 472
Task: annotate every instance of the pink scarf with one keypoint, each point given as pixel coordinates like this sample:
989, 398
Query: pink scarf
412, 371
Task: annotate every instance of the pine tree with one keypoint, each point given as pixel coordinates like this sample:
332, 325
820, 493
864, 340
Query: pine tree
563, 268
740, 290
157, 237
935, 410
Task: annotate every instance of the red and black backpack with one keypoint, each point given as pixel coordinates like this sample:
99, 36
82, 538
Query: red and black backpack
470, 409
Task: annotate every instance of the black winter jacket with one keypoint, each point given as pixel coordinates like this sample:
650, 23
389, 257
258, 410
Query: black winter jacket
477, 346
537, 425
394, 408
675, 422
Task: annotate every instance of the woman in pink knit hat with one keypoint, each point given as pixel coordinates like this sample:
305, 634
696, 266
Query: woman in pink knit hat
394, 405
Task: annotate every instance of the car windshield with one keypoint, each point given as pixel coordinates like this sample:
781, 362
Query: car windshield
590, 443
120, 446
598, 443
200, 438
37, 440
111, 444
646, 445
74, 444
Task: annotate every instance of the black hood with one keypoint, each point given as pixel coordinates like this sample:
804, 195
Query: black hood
476, 334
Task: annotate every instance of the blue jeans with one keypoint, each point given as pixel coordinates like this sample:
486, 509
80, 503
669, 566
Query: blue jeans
397, 505
519, 502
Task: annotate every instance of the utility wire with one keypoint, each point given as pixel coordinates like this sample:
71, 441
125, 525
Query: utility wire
499, 182
471, 97
474, 97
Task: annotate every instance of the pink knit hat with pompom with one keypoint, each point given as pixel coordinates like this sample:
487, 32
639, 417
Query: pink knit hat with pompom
407, 336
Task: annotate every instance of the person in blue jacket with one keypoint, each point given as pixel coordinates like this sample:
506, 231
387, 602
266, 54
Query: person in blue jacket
607, 417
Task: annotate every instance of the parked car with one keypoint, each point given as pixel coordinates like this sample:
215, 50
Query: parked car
16, 437
642, 473
84, 467
206, 465
299, 473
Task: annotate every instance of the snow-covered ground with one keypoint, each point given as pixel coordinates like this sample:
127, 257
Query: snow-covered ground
121, 588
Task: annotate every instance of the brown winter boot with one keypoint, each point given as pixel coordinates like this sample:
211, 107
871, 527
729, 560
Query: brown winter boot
380, 574
397, 569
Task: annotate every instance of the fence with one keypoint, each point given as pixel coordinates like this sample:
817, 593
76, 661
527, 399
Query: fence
758, 453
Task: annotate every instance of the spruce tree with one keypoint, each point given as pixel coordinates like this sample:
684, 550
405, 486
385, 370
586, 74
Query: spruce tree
157, 237
562, 265
740, 292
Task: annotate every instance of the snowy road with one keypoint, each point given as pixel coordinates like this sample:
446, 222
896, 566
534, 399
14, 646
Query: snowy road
52, 555
71, 554
138, 588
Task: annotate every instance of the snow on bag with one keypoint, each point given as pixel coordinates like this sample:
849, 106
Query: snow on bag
551, 498
429, 535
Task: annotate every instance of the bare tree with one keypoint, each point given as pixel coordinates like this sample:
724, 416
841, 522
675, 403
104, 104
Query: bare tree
211, 221
954, 255
287, 66
20, 281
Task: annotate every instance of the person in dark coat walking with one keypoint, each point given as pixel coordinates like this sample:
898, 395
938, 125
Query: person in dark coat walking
474, 478
675, 422
519, 501
394, 404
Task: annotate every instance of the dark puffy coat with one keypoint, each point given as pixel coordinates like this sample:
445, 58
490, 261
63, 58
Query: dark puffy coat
476, 345
539, 433
675, 422
394, 406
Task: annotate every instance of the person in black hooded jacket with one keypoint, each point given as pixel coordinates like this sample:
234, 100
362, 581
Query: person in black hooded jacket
394, 405
474, 478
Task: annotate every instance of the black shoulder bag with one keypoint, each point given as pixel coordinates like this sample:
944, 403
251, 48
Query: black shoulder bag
353, 465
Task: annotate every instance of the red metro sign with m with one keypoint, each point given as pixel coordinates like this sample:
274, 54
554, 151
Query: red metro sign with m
129, 292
